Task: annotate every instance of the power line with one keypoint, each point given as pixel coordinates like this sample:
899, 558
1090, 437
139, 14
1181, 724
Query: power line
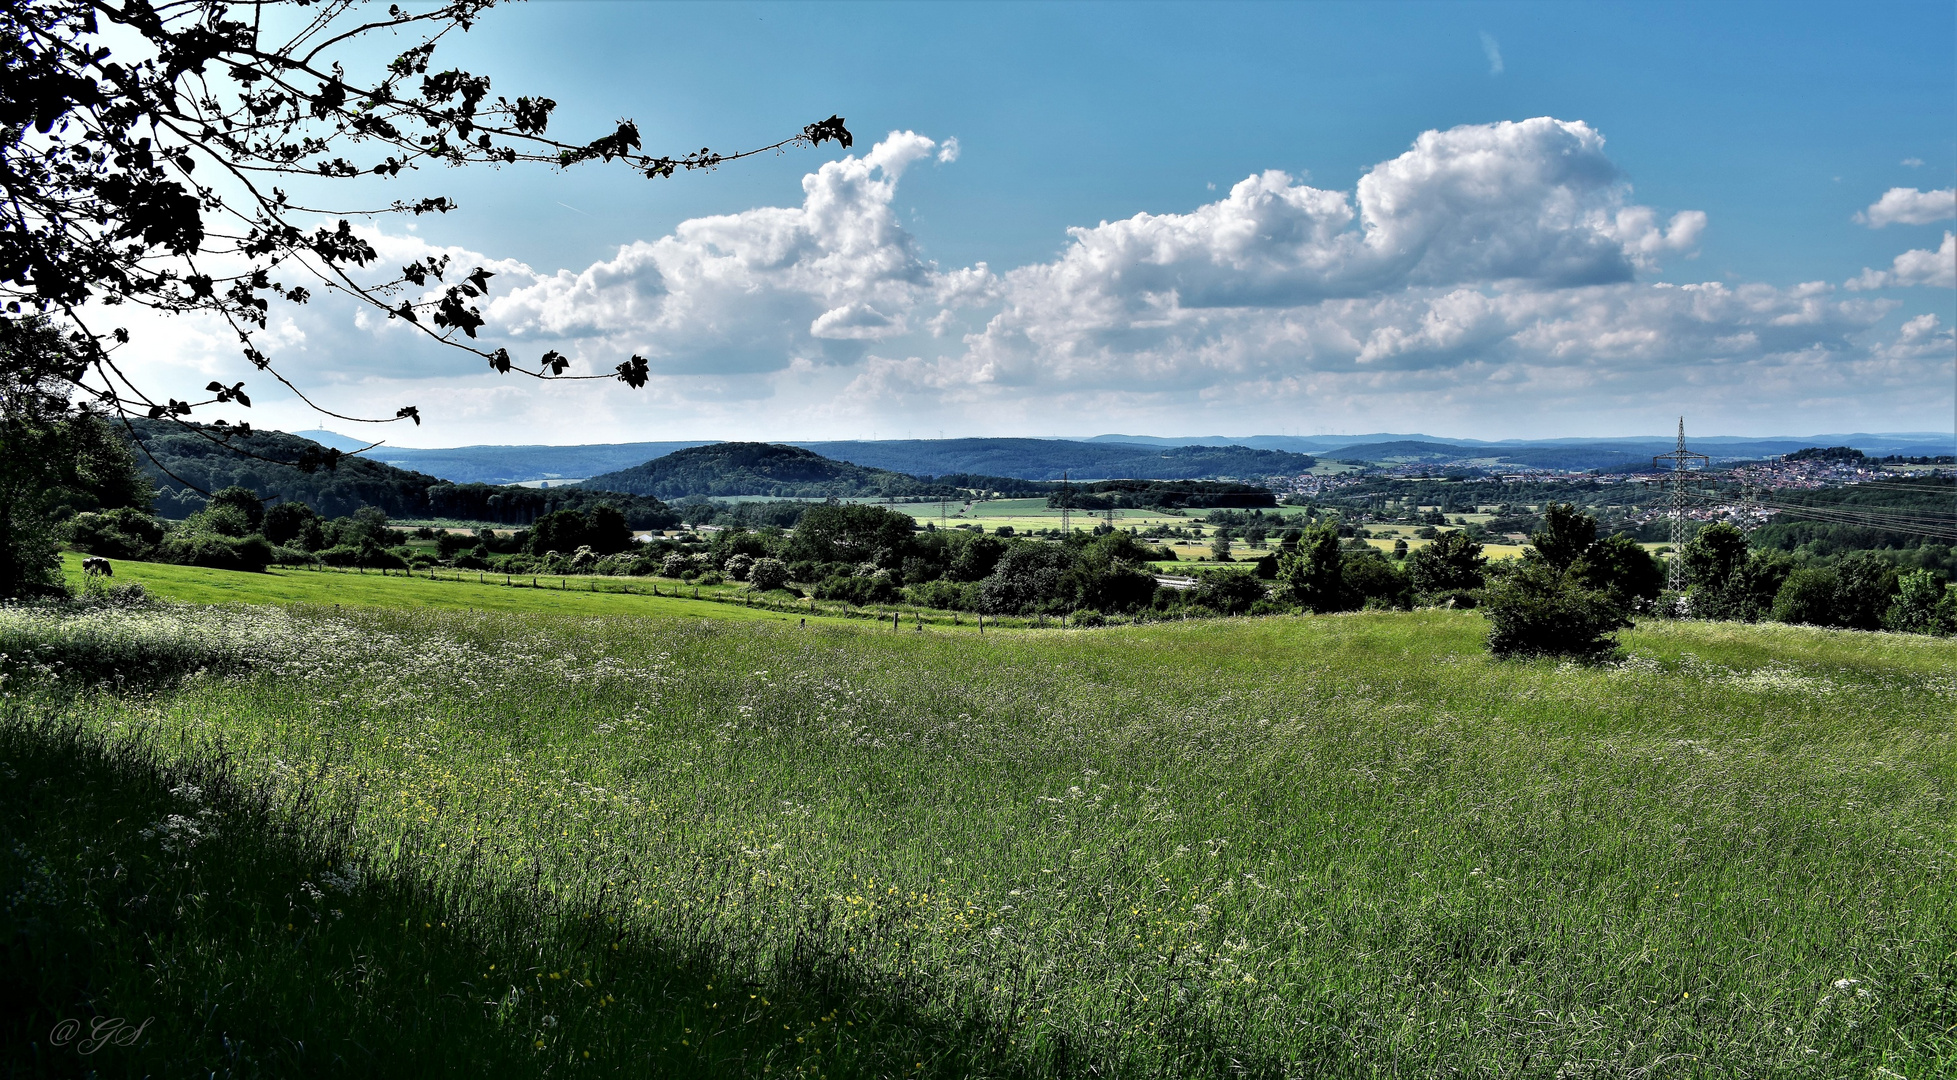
1930, 526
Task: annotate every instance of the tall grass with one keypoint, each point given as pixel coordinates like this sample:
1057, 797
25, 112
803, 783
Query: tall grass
416, 841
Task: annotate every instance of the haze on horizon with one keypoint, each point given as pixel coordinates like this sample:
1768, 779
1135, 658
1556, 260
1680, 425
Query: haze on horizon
1471, 221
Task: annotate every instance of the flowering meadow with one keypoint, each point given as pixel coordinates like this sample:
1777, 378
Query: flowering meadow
295, 842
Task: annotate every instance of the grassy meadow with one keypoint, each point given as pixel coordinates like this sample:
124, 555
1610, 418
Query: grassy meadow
420, 840
466, 590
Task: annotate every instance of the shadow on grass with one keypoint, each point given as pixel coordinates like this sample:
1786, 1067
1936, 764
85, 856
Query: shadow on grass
167, 921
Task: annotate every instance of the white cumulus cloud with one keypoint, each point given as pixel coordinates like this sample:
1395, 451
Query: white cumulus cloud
749, 292
1937, 269
1910, 206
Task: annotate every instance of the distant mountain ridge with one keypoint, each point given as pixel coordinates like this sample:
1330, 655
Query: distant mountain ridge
1123, 456
1049, 459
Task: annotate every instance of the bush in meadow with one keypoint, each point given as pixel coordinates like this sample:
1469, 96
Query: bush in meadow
767, 574
1538, 610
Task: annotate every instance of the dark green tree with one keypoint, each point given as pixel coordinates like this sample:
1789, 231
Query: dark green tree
1566, 534
1865, 586
37, 366
1560, 599
1452, 563
1228, 592
1621, 567
853, 533
245, 502
1714, 557
286, 522
1538, 610
1374, 582
1807, 596
1312, 576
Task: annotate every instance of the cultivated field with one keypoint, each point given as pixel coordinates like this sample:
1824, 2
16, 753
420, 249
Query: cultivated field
1029, 515
414, 842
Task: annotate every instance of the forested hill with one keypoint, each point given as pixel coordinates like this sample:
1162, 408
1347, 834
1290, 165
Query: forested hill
782, 472
1048, 459
165, 448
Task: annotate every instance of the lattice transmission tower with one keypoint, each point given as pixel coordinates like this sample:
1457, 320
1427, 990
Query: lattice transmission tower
1681, 461
1066, 506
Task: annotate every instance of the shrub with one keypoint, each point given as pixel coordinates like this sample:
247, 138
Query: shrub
738, 566
251, 553
941, 594
339, 555
1313, 575
1230, 592
1854, 594
1537, 610
1622, 567
1920, 603
876, 589
1453, 563
125, 533
767, 574
1807, 596
1371, 581
711, 577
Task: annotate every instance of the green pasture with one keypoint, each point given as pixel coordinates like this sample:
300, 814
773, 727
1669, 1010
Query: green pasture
1028, 515
467, 590
426, 841
454, 590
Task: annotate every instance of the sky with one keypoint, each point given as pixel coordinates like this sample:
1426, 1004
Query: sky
1469, 220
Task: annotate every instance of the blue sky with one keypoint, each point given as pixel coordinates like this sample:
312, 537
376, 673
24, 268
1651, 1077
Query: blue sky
1595, 300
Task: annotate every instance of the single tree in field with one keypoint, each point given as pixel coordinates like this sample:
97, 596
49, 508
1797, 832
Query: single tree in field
169, 156
1313, 576
1551, 603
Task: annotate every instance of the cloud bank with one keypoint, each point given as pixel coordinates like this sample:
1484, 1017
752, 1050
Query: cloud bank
1497, 270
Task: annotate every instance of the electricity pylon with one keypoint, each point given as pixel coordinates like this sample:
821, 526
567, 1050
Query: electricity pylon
1681, 461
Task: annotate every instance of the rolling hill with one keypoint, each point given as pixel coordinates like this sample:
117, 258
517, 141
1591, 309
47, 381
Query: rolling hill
773, 470
176, 457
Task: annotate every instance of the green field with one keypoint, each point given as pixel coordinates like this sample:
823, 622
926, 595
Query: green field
1030, 515
419, 841
455, 590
